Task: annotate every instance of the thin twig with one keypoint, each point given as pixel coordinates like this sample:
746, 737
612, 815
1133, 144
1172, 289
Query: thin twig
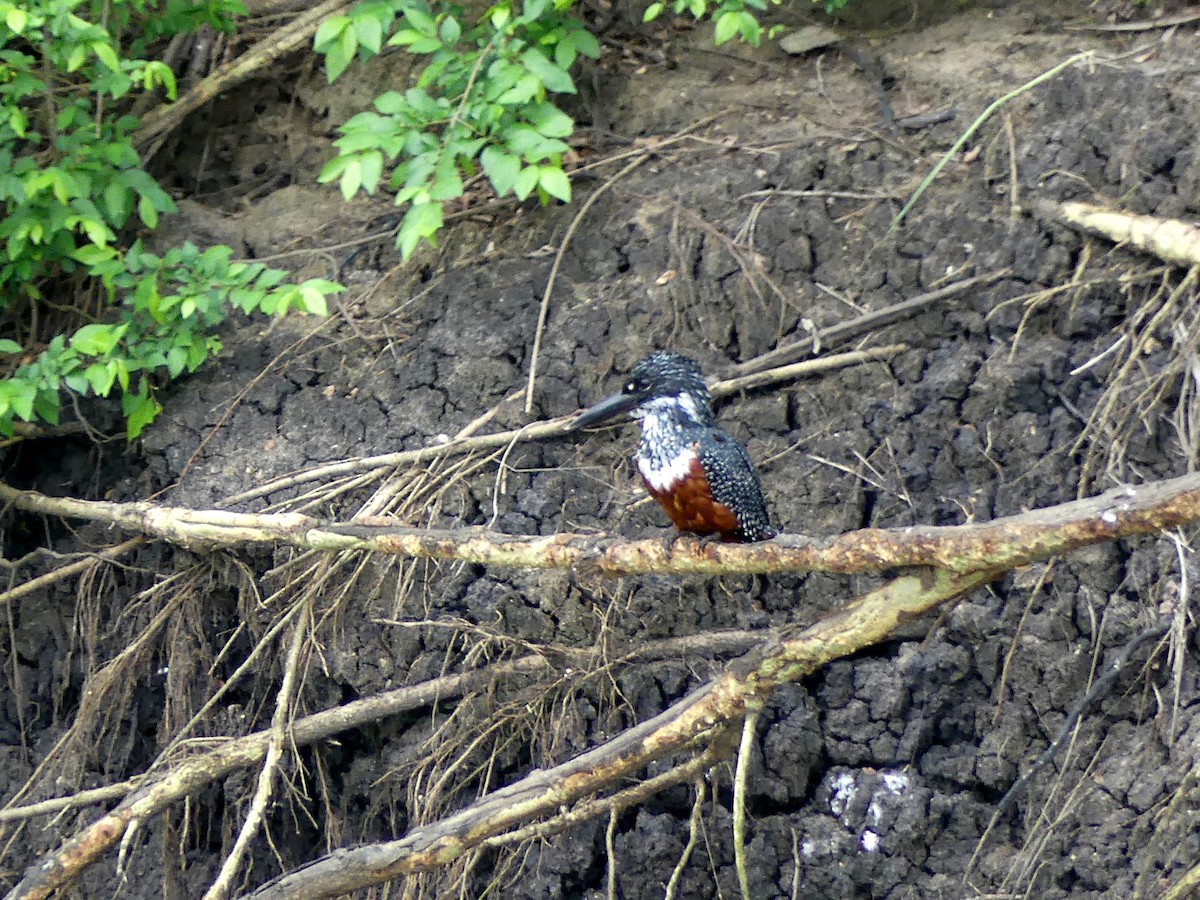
79, 798
1150, 25
740, 777
284, 703
1100, 687
563, 425
976, 125
693, 836
844, 331
71, 569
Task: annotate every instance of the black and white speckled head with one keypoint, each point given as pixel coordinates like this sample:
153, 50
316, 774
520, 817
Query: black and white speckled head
669, 377
663, 380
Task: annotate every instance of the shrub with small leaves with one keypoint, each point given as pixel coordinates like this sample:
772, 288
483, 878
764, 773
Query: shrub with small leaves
732, 18
480, 103
172, 304
70, 183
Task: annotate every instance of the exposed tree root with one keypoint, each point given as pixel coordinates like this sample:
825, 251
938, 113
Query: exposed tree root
1171, 240
968, 556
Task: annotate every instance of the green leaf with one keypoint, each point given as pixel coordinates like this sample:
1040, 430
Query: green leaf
21, 396
176, 361
118, 202
9, 346
159, 73
312, 301
526, 181
100, 378
45, 407
404, 38
749, 28
554, 78
140, 410
333, 169
420, 20
423, 220
447, 183
147, 212
554, 181
77, 57
522, 92
16, 19
370, 32
450, 31
351, 178
727, 26
586, 43
371, 166
18, 121
339, 55
535, 9
106, 55
550, 121
528, 143
653, 11
97, 339
330, 30
501, 168
391, 103
93, 254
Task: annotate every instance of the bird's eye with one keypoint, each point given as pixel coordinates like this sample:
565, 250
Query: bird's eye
631, 387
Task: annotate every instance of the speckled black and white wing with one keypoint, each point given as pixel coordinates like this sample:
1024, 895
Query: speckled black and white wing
734, 484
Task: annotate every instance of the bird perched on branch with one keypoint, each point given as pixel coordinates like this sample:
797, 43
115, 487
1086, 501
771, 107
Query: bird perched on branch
700, 475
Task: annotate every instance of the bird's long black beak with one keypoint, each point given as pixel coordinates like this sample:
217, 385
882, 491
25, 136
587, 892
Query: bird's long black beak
606, 409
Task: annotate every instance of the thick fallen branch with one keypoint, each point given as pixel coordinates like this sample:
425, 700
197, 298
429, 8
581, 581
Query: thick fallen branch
283, 40
1003, 543
1171, 240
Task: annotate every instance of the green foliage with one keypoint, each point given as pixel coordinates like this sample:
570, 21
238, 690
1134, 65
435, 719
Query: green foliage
71, 182
172, 304
480, 104
733, 18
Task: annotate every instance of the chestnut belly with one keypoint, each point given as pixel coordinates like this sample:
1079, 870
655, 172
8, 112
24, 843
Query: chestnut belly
690, 504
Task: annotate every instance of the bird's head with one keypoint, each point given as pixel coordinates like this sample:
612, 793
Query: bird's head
663, 380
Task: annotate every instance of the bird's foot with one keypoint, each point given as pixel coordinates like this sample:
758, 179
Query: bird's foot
698, 541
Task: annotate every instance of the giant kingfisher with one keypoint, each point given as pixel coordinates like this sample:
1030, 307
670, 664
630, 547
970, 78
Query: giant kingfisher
700, 475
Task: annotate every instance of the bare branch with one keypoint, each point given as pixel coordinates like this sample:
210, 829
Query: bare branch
1002, 543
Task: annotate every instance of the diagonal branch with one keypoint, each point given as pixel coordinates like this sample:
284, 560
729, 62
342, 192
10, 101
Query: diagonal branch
1003, 543
703, 714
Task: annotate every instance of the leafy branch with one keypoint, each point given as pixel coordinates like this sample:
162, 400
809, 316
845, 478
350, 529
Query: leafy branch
480, 103
72, 187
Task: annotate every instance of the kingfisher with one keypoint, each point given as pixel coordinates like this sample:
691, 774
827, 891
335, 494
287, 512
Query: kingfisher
701, 476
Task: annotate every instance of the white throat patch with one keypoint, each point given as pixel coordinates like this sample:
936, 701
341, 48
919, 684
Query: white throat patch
668, 474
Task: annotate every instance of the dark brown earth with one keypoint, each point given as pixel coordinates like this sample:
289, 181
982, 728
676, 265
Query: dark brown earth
876, 777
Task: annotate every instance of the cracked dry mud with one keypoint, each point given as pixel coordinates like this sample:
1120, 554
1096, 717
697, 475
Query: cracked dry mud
877, 776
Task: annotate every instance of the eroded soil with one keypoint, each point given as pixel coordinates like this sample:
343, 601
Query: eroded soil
876, 777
